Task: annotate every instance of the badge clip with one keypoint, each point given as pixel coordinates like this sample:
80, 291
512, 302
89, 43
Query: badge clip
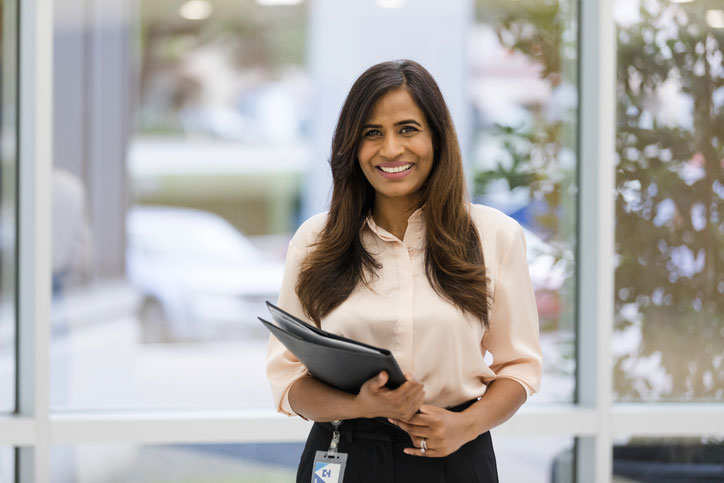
329, 466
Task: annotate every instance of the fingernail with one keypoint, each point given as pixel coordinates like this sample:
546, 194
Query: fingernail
391, 420
407, 451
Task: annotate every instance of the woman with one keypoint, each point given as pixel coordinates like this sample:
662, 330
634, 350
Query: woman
403, 261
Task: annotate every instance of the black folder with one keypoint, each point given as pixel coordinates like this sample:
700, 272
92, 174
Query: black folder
340, 362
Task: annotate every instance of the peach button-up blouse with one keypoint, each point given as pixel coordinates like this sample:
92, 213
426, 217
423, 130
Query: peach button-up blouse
447, 350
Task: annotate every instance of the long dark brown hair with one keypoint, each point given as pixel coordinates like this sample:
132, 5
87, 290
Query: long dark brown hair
453, 251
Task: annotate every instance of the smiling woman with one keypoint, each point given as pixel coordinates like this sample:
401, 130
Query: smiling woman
396, 150
404, 91
404, 262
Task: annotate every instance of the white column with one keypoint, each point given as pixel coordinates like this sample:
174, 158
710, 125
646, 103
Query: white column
34, 232
596, 232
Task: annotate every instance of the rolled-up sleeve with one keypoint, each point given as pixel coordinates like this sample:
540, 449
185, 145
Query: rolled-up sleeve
282, 367
513, 335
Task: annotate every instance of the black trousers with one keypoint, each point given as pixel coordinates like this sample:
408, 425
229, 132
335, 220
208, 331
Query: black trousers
375, 455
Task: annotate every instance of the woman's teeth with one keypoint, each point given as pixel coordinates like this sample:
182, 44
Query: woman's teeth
397, 169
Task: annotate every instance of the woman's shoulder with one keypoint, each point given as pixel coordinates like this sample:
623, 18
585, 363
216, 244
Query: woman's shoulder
308, 231
490, 219
498, 231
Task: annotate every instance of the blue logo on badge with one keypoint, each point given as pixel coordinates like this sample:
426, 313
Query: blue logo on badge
326, 472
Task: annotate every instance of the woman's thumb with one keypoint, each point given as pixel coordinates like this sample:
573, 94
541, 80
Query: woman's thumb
382, 378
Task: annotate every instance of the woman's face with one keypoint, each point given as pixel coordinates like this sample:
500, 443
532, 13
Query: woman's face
396, 151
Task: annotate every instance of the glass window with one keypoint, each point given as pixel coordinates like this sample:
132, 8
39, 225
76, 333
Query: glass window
668, 343
175, 197
534, 459
8, 190
524, 97
243, 463
178, 153
668, 459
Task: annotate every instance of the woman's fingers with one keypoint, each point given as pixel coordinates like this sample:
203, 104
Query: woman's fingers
418, 419
410, 397
430, 452
410, 429
422, 447
411, 386
402, 402
375, 384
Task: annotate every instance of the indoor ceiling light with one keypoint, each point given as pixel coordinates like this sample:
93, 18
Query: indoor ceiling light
715, 19
681, 1
390, 3
196, 10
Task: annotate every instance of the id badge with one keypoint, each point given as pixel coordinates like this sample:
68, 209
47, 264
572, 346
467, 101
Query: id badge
328, 468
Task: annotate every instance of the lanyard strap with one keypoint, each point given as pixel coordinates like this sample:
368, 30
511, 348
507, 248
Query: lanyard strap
335, 439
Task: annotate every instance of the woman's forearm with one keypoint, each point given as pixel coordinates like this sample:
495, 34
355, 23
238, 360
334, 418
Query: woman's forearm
315, 400
501, 400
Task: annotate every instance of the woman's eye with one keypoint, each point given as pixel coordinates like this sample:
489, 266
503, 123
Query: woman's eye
371, 132
408, 129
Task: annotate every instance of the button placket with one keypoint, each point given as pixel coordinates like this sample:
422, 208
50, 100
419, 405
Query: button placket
405, 312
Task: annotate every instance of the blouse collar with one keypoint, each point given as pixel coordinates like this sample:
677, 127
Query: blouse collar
414, 235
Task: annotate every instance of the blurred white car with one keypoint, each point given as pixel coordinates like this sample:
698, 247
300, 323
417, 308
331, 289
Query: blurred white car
200, 277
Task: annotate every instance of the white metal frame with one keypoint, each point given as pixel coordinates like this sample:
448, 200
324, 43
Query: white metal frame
34, 232
593, 419
596, 126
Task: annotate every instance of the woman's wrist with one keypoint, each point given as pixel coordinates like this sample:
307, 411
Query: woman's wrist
475, 421
500, 401
358, 408
315, 400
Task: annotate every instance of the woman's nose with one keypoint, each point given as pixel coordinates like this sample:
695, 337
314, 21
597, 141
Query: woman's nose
391, 147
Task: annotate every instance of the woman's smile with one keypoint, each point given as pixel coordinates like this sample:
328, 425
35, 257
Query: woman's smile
395, 170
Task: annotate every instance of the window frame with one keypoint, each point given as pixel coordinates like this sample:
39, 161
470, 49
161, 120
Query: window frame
593, 418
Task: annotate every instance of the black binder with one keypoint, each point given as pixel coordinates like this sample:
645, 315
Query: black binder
340, 362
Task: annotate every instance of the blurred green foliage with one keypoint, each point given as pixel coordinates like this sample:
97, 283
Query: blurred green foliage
545, 31
257, 42
670, 200
669, 304
538, 155
269, 37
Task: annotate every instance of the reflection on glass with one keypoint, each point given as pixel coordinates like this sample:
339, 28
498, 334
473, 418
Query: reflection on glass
669, 298
198, 274
7, 464
242, 463
534, 459
524, 92
668, 459
173, 198
8, 188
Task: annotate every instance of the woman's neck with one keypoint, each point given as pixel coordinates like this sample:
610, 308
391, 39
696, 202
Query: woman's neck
392, 214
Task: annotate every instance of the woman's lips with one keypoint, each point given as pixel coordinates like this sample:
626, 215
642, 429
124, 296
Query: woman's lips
394, 170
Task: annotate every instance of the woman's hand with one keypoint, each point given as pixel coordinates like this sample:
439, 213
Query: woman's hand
375, 400
444, 431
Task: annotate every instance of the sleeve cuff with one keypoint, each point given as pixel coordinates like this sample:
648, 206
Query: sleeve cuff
284, 406
529, 390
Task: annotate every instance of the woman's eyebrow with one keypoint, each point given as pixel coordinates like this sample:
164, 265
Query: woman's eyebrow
398, 123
